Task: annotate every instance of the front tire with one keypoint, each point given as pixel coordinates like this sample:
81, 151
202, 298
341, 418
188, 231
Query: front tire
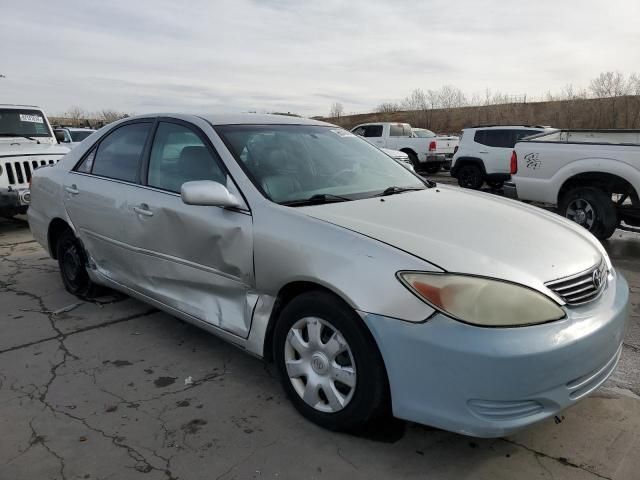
470, 176
329, 364
72, 261
591, 208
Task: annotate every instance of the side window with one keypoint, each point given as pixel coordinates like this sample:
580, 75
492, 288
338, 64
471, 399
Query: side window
372, 131
520, 134
479, 137
396, 130
360, 131
498, 138
87, 163
178, 156
119, 153
406, 130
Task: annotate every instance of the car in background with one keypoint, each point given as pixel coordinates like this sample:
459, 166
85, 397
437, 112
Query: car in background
26, 143
71, 136
445, 144
371, 289
400, 157
593, 176
484, 154
399, 136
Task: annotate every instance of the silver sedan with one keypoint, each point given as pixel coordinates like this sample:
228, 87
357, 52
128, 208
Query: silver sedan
373, 290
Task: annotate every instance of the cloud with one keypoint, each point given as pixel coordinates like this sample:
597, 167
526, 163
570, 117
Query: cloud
286, 55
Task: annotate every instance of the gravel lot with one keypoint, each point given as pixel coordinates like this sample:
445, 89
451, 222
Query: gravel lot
116, 389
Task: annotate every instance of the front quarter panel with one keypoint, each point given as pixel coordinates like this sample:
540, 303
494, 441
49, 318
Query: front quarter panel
293, 247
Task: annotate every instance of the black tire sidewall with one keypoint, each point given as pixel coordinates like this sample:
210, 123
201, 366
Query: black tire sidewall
606, 214
413, 158
370, 399
477, 174
84, 286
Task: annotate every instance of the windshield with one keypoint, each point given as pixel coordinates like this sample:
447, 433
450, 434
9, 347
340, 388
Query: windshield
423, 133
289, 163
79, 135
17, 123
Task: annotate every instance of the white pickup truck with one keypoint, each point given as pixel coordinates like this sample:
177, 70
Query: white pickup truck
593, 176
26, 143
426, 153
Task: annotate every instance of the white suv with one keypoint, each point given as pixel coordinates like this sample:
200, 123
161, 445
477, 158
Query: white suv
484, 154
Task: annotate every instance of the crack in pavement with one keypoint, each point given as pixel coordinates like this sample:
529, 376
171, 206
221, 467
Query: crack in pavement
562, 460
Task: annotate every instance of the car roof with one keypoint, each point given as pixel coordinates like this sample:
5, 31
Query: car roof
240, 119
497, 127
11, 106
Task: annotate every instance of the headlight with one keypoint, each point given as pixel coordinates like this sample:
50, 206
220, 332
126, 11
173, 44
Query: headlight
482, 301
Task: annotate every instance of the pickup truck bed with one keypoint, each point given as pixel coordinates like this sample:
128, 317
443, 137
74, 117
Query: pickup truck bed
593, 176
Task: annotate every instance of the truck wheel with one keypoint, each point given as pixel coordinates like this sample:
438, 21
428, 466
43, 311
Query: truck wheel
470, 176
432, 168
72, 262
329, 364
592, 208
414, 161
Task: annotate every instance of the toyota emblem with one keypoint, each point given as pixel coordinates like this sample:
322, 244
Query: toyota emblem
597, 278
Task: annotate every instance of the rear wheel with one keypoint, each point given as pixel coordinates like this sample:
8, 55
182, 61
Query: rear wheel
414, 161
432, 168
591, 208
470, 176
72, 262
329, 364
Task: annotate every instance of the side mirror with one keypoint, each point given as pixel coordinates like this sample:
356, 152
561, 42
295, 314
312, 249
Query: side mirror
207, 192
59, 136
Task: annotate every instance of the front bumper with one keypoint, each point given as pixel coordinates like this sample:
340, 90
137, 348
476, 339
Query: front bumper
490, 382
13, 200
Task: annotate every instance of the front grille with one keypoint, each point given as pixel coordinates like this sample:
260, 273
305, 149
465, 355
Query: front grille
582, 287
19, 172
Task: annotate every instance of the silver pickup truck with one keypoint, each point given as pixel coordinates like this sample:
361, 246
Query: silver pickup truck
26, 143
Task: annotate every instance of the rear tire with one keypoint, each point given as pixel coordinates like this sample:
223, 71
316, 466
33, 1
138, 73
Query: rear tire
591, 208
414, 161
308, 366
72, 261
470, 176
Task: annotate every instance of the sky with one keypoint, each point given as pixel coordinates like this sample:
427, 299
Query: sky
300, 56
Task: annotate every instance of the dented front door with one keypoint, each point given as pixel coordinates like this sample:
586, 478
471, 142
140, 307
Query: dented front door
197, 259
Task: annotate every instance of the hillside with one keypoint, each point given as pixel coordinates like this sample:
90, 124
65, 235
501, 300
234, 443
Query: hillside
620, 112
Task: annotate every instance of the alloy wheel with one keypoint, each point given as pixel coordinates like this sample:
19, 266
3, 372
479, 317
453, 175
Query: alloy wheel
581, 212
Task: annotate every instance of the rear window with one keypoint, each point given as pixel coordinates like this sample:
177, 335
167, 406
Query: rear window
78, 136
15, 123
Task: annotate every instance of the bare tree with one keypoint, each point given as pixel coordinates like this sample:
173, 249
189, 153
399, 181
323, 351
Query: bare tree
76, 115
416, 104
336, 110
388, 107
108, 116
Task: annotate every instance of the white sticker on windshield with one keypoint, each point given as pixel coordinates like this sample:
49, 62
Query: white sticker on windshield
31, 118
342, 133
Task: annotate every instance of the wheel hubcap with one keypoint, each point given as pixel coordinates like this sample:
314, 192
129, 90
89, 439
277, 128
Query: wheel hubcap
320, 364
581, 212
72, 263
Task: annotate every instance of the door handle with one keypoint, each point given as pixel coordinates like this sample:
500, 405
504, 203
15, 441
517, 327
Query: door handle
483, 151
72, 189
143, 209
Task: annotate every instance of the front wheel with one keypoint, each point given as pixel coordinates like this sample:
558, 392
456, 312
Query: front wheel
591, 208
329, 365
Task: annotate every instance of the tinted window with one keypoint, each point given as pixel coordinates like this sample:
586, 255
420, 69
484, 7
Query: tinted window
495, 138
369, 131
120, 152
78, 136
178, 155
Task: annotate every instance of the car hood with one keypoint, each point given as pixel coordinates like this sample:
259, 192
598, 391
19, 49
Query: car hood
471, 232
31, 148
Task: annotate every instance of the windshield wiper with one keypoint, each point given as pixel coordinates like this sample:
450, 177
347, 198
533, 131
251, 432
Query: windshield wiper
21, 136
317, 199
393, 190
